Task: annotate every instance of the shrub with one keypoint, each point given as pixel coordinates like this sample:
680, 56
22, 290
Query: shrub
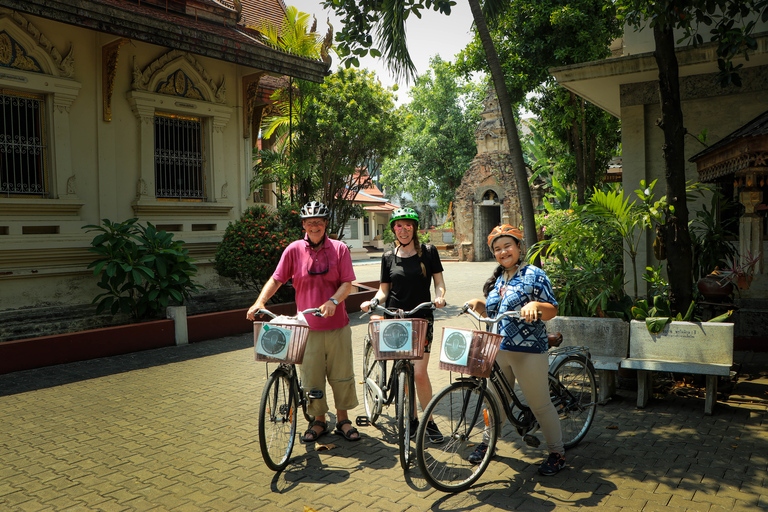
142, 269
584, 263
251, 247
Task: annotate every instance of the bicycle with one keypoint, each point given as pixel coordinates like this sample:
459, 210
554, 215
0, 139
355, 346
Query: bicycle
390, 340
468, 414
281, 343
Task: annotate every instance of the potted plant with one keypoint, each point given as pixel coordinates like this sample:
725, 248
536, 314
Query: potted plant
741, 274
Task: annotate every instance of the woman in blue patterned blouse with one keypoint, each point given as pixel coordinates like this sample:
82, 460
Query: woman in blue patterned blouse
518, 286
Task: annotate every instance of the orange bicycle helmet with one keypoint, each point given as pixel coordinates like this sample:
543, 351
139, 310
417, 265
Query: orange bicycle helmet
505, 230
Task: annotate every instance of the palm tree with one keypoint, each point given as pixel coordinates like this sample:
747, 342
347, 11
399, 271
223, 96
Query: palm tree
294, 36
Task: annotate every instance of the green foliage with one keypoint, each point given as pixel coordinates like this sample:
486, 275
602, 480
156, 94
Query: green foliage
730, 24
360, 19
583, 262
566, 122
143, 270
438, 138
532, 36
349, 124
252, 246
711, 248
617, 214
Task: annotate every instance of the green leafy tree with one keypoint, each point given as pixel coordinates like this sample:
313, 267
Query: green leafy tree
347, 129
142, 270
252, 246
577, 137
730, 26
533, 35
439, 136
361, 19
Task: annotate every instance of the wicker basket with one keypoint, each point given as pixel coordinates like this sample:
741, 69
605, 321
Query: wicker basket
296, 343
412, 350
483, 347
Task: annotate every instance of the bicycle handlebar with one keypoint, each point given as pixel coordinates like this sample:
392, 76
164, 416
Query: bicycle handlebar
375, 306
490, 321
314, 311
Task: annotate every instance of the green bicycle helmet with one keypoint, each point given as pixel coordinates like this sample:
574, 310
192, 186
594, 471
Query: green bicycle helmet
403, 213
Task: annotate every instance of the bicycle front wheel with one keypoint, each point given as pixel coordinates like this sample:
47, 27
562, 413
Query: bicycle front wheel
405, 410
573, 389
277, 420
467, 416
372, 369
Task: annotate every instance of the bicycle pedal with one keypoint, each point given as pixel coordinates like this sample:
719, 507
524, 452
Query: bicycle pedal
362, 421
531, 441
315, 394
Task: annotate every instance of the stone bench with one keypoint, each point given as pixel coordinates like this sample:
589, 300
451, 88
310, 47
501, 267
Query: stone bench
682, 347
607, 340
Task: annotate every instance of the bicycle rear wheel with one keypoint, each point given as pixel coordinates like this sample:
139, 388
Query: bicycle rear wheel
467, 416
372, 369
405, 410
277, 419
573, 389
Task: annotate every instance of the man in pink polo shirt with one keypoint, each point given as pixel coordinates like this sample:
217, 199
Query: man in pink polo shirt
322, 275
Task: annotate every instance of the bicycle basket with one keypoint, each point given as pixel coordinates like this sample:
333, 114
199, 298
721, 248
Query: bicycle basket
390, 338
469, 351
280, 343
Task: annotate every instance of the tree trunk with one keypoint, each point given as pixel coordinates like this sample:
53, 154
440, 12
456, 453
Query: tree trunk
513, 138
678, 239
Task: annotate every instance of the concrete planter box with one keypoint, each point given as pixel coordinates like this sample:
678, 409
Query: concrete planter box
683, 347
110, 341
607, 340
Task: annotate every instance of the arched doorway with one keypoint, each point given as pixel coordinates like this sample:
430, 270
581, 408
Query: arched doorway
487, 216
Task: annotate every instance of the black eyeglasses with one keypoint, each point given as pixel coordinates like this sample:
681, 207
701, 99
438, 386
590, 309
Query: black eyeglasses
318, 264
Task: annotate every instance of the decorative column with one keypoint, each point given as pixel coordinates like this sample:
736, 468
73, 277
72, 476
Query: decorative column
65, 178
751, 224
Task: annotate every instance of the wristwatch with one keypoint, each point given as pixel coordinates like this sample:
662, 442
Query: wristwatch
335, 302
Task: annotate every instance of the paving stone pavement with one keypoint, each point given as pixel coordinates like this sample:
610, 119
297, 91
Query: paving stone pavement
175, 429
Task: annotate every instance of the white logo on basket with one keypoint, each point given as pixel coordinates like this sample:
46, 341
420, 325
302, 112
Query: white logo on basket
395, 336
455, 346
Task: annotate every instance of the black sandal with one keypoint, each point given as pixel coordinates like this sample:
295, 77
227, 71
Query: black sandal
312, 435
349, 433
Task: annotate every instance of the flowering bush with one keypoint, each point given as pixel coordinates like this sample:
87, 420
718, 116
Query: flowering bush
251, 247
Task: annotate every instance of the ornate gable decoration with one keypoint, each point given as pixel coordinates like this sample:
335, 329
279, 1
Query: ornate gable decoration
13, 55
177, 73
25, 48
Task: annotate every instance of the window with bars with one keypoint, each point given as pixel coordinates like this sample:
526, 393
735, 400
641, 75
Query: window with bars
179, 158
22, 145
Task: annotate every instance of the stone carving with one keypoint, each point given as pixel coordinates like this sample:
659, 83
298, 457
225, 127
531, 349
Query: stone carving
71, 190
327, 43
225, 190
109, 55
65, 66
142, 79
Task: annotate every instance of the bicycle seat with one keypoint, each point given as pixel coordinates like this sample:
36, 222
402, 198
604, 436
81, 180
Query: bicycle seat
555, 339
